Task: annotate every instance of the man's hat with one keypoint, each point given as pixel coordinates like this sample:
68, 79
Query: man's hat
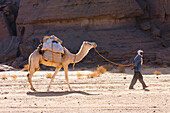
139, 52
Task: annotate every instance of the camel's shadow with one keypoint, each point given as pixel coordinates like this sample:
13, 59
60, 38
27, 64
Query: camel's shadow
61, 93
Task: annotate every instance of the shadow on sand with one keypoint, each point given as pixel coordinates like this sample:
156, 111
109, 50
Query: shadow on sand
61, 93
146, 90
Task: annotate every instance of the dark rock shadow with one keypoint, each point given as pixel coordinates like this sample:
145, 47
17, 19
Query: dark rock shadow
61, 93
146, 90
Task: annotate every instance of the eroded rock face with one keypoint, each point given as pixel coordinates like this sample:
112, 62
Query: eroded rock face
5, 30
76, 21
27, 47
162, 56
9, 49
52, 10
119, 28
8, 14
35, 19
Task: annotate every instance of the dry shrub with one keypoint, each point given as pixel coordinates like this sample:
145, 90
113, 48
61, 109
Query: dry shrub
48, 75
101, 69
157, 73
121, 69
90, 75
108, 67
14, 77
79, 75
25, 67
164, 66
94, 74
3, 77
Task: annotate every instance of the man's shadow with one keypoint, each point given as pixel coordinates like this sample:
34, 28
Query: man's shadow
61, 93
146, 90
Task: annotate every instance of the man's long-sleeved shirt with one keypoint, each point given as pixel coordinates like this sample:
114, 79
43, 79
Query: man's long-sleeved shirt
137, 63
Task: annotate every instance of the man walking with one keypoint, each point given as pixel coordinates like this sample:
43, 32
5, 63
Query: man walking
137, 66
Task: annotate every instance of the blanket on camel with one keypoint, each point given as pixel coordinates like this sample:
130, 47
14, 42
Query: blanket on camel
52, 48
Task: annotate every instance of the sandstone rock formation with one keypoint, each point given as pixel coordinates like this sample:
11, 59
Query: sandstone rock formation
9, 42
119, 28
9, 48
162, 56
5, 30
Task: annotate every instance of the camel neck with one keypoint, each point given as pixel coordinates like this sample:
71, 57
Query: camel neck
75, 58
81, 54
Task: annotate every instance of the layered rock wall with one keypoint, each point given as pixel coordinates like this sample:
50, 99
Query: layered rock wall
119, 28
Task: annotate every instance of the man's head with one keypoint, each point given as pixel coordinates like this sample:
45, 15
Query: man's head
140, 52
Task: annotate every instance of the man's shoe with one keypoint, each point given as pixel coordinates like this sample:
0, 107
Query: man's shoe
131, 88
145, 87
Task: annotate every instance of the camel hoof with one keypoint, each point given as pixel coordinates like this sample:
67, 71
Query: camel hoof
32, 89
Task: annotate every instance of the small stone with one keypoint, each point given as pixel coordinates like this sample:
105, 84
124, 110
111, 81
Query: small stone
6, 92
154, 106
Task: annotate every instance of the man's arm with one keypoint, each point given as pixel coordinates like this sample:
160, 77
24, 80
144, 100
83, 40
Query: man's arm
136, 61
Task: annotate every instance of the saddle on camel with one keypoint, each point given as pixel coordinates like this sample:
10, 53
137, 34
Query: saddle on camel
51, 48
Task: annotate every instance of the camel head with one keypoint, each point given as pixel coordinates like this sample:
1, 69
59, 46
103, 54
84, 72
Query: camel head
90, 44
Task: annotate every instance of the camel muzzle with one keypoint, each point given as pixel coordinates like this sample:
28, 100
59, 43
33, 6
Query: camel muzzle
95, 46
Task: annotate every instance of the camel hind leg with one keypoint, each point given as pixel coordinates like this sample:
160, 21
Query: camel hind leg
33, 67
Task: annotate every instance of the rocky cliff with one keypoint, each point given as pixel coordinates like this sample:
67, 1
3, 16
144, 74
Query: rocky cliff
119, 28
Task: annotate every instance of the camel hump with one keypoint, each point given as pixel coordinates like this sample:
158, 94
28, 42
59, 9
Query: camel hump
53, 37
52, 44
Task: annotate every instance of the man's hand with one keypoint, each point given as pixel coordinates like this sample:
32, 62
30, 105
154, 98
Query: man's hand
132, 68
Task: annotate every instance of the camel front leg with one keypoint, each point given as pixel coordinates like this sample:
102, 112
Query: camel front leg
53, 77
66, 76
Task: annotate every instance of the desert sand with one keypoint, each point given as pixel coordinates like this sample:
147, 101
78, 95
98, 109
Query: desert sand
108, 93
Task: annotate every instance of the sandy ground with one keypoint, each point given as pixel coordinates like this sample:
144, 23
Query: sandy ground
108, 93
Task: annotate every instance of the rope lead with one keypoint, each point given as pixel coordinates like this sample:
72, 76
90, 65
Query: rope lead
111, 61
74, 61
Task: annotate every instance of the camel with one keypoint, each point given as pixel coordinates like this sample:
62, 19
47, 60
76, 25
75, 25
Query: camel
36, 58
